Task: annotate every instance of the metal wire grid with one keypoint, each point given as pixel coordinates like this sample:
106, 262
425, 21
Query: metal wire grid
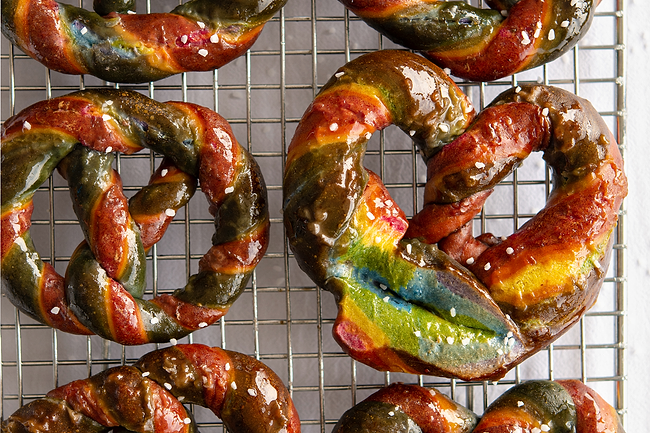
282, 318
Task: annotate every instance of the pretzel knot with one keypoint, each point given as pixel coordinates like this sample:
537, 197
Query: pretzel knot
481, 44
149, 396
467, 308
534, 406
200, 35
105, 279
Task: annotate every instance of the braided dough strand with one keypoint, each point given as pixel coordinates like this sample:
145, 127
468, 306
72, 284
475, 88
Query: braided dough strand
466, 308
149, 396
105, 280
481, 44
200, 35
534, 406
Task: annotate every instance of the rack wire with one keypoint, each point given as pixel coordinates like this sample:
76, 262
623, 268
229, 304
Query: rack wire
282, 318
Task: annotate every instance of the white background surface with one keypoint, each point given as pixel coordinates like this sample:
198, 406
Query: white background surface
637, 160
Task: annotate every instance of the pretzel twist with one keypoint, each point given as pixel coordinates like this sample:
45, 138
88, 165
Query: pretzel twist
200, 35
105, 279
533, 406
481, 44
149, 396
404, 303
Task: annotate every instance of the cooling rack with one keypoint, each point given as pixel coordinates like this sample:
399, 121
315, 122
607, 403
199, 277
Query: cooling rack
282, 318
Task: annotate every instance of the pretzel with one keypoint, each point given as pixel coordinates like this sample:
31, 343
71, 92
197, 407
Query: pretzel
533, 406
105, 278
149, 396
481, 44
200, 35
404, 303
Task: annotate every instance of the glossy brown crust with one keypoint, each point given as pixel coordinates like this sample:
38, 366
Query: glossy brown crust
481, 44
104, 284
247, 395
594, 414
531, 407
131, 48
399, 296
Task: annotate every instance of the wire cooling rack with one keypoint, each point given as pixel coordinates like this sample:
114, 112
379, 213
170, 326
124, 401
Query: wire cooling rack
282, 318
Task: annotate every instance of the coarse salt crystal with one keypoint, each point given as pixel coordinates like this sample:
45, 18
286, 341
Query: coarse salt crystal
525, 40
173, 342
339, 74
229, 189
544, 427
109, 149
170, 212
504, 13
409, 247
412, 132
545, 112
154, 320
334, 126
203, 52
470, 261
227, 366
184, 39
450, 340
106, 117
168, 385
417, 333
370, 216
145, 374
252, 392
130, 12
164, 172
84, 30
187, 421
479, 165
564, 24
233, 385
487, 266
201, 24
551, 35
386, 298
214, 38
202, 325
517, 89
509, 250
452, 311
55, 310
447, 71
27, 126
368, 135
520, 403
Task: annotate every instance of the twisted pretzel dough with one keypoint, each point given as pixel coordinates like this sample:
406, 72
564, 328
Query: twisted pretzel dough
404, 304
200, 35
105, 279
481, 44
534, 406
149, 396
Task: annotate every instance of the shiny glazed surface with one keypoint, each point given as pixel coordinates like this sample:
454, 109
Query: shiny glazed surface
566, 406
122, 47
150, 396
481, 44
104, 284
424, 296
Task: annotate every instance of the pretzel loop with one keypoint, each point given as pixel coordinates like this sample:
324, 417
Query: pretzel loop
481, 44
105, 280
405, 303
532, 406
149, 396
200, 35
